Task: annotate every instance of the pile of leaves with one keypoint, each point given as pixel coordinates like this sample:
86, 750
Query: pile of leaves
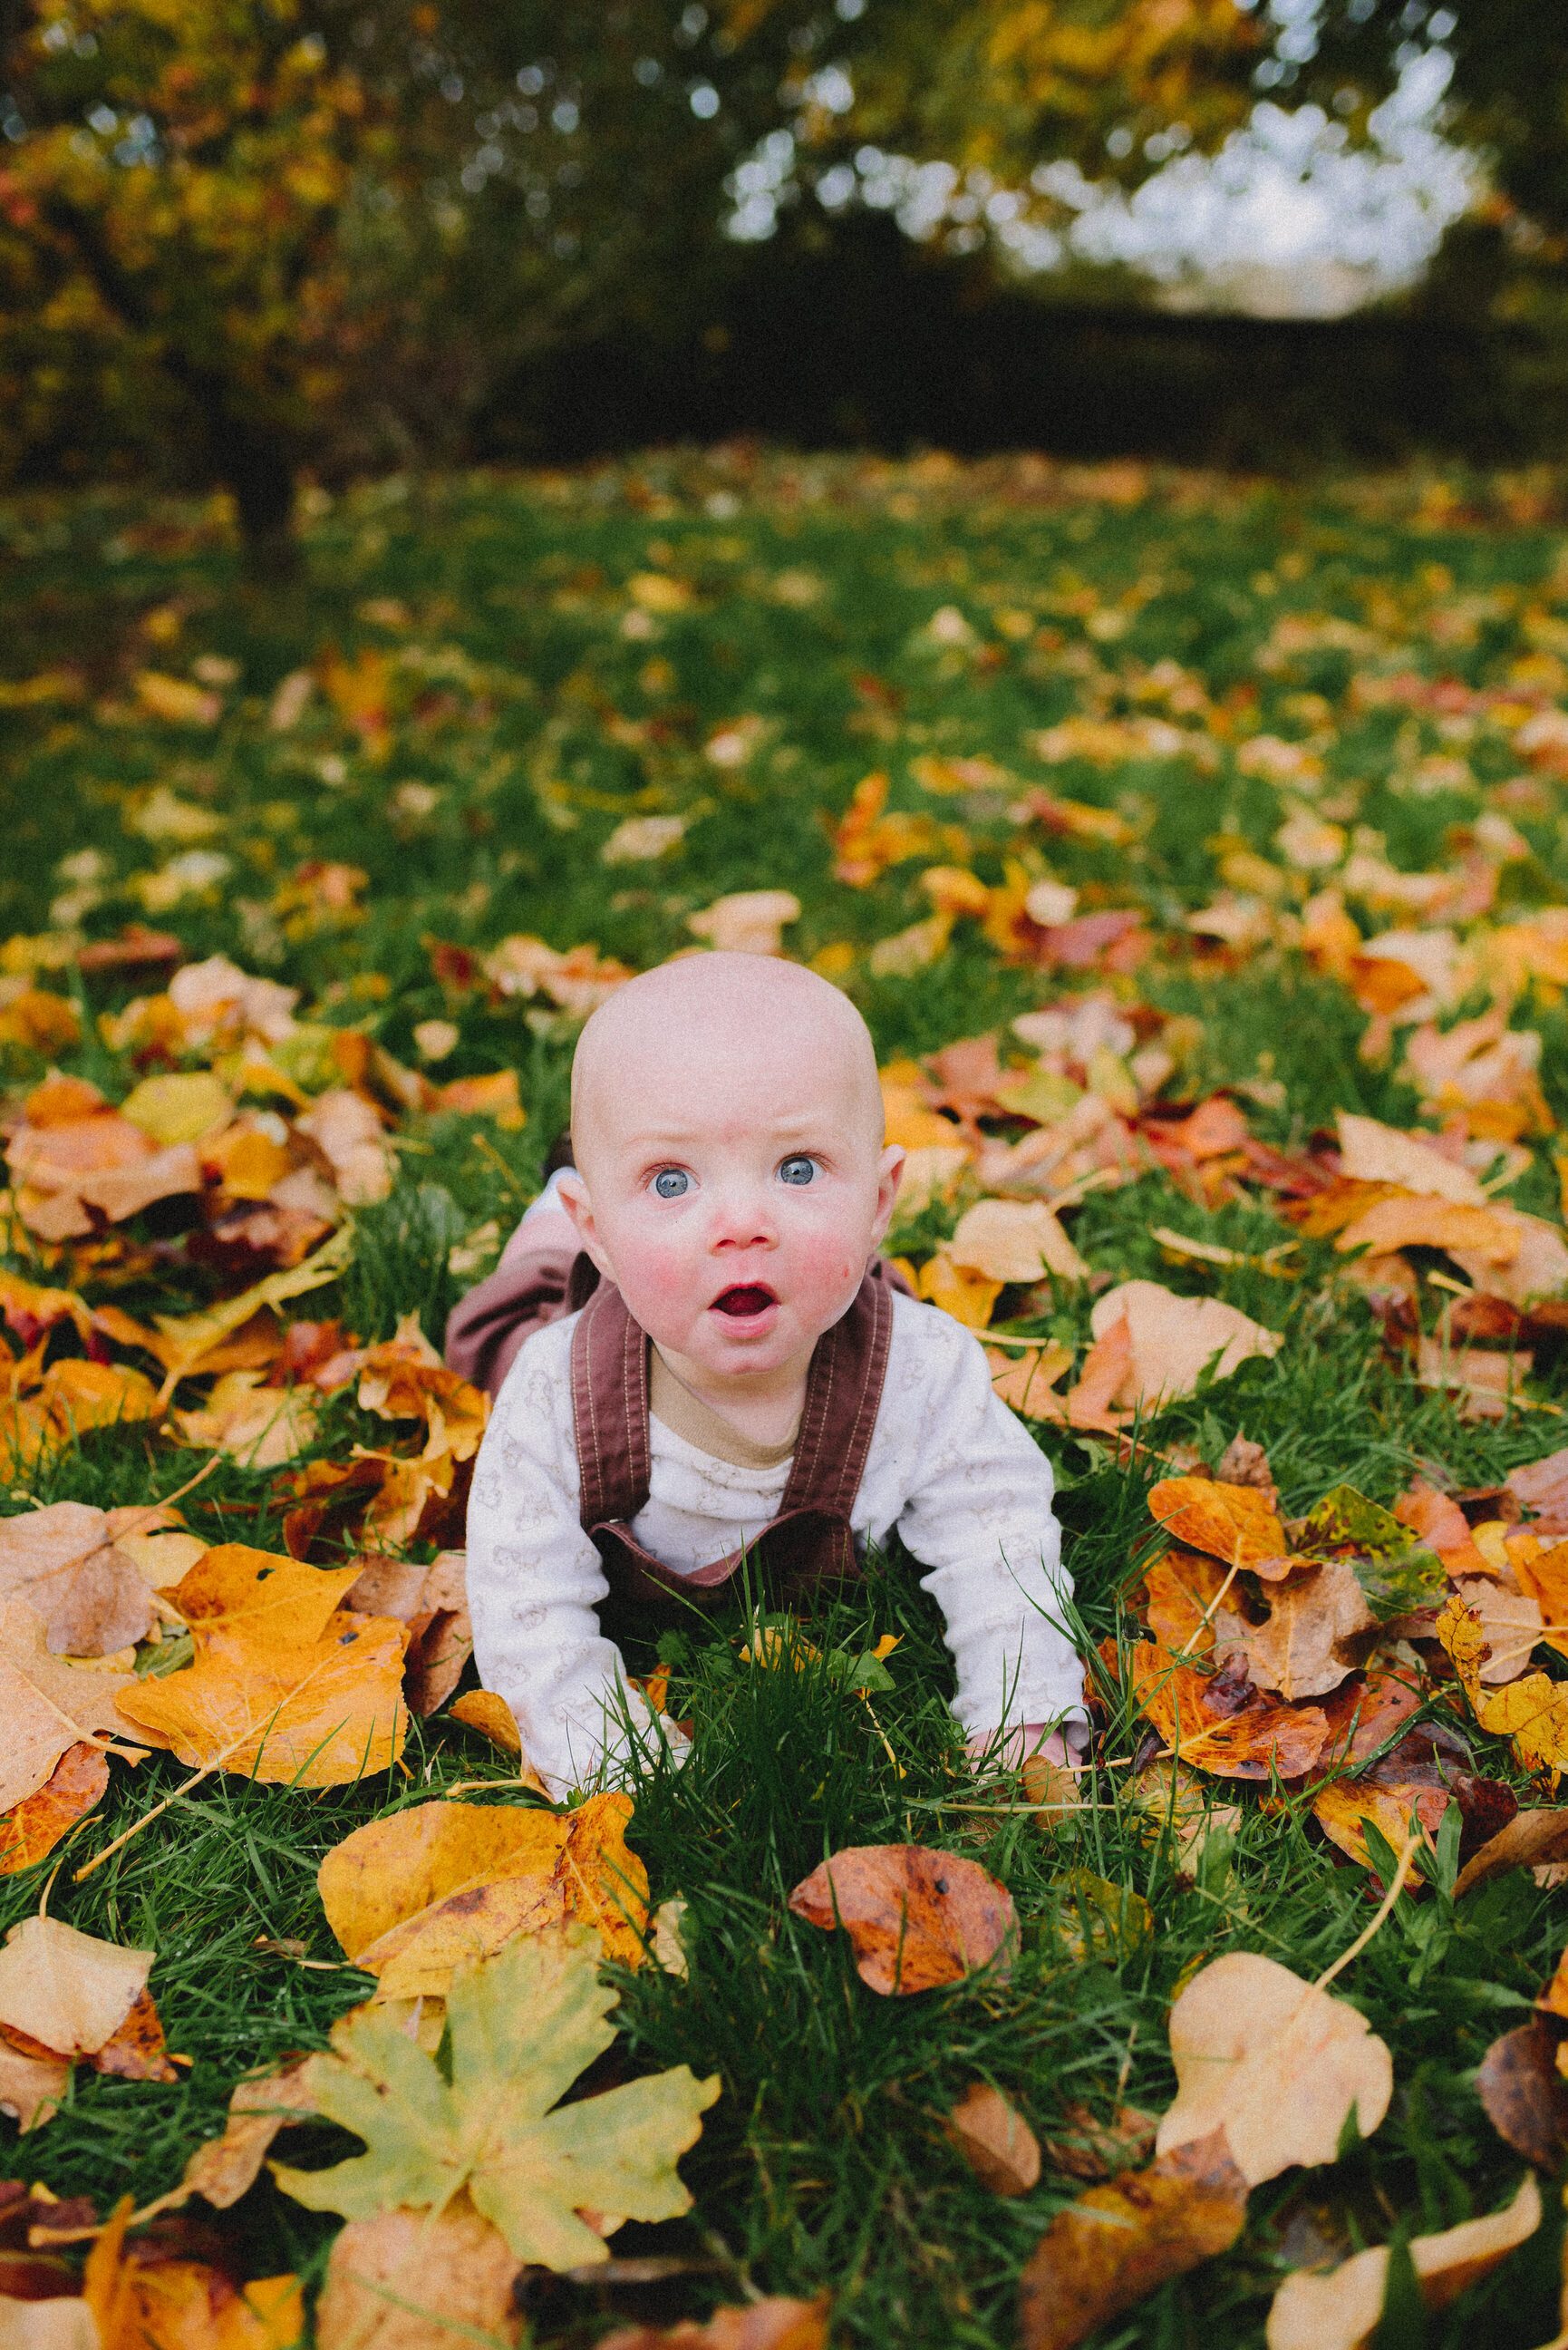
1194, 851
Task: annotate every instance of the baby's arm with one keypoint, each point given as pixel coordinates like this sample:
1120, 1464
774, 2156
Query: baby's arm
979, 1518
534, 1579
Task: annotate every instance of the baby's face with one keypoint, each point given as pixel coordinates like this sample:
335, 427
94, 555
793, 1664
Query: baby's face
735, 1187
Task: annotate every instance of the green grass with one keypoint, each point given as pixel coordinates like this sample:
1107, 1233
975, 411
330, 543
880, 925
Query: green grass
536, 723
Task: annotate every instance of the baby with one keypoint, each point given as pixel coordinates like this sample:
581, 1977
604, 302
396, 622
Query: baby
742, 1380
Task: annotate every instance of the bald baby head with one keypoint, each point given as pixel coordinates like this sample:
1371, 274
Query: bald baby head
719, 1031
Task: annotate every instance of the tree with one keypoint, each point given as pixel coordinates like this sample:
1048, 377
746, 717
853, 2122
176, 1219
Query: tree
272, 228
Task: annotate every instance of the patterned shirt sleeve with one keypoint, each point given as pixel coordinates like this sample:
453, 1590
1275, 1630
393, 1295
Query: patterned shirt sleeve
534, 1580
978, 1518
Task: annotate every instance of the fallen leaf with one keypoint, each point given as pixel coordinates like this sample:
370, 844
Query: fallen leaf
1015, 1240
751, 921
77, 1784
1233, 1522
1022, 1379
1300, 1650
285, 1686
1094, 2150
1396, 1572
411, 2280
223, 2168
260, 1427
969, 1298
528, 2169
1098, 1919
1275, 2063
1512, 1623
773, 2324
1487, 1233
1174, 1340
412, 1896
1370, 1152
1442, 1525
1343, 1808
62, 1561
1341, 2311
994, 2139
1118, 2242
915, 1919
66, 1990
1170, 1797
1257, 1742
1056, 1794
31, 2088
46, 1705
1182, 1591
1530, 1839
432, 1601
1542, 1485
1524, 2096
484, 1710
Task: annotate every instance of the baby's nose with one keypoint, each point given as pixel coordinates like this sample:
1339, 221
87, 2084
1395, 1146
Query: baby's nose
742, 1219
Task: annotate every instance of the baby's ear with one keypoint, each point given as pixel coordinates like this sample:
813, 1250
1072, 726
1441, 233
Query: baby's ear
889, 1175
573, 1194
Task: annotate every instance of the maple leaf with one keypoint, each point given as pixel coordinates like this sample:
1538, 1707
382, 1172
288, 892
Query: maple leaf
522, 2025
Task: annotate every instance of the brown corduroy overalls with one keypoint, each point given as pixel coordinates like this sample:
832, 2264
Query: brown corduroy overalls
810, 1540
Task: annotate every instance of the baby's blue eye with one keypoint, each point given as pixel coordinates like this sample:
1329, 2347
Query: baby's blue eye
671, 1184
797, 1170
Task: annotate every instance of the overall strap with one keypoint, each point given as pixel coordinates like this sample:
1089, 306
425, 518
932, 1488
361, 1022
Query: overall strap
843, 1396
610, 1408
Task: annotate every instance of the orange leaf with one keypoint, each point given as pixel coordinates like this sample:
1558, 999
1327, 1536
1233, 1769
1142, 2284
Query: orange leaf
1182, 1588
285, 1686
35, 1826
1233, 1522
1118, 2242
1260, 1742
915, 1919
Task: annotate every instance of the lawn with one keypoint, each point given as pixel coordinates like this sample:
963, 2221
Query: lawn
960, 717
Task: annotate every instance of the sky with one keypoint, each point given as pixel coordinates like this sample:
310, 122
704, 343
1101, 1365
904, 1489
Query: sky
1286, 220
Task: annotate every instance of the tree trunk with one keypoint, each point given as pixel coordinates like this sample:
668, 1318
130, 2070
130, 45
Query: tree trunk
258, 467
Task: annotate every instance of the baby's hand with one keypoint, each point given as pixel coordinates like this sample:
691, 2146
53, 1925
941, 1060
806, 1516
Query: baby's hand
1018, 1745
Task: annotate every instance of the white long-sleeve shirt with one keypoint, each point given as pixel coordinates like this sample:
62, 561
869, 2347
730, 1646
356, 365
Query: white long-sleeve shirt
949, 1468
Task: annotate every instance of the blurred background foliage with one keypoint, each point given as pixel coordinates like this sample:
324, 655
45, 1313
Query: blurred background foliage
242, 241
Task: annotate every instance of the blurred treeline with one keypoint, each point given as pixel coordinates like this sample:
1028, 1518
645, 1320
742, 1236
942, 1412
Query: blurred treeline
244, 239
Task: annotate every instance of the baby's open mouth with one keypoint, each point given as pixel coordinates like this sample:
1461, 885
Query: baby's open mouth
749, 1298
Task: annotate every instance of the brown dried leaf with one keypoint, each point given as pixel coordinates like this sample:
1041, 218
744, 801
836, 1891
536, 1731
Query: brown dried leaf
1344, 1805
994, 2139
1341, 2311
776, 2323
225, 2168
1094, 2150
916, 1918
66, 1990
31, 2086
46, 1705
1300, 1650
1274, 2064
418, 2280
1530, 1839
62, 1562
1260, 1741
1118, 2242
1524, 2095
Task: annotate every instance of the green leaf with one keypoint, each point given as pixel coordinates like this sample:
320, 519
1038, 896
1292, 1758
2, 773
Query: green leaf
522, 2025
1396, 1570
